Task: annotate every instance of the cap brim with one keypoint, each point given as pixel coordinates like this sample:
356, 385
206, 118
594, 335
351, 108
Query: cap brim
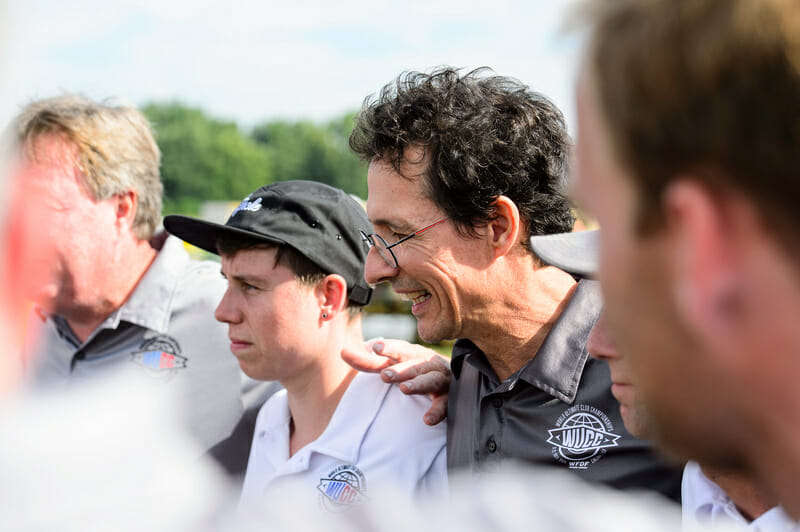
575, 253
204, 234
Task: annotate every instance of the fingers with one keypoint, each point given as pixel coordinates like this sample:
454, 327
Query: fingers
437, 412
431, 377
416, 369
402, 351
365, 360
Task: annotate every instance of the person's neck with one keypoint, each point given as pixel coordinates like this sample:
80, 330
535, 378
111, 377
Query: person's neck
129, 268
517, 318
779, 468
766, 361
750, 500
313, 399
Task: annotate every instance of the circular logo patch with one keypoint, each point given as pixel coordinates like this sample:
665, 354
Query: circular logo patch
582, 436
343, 487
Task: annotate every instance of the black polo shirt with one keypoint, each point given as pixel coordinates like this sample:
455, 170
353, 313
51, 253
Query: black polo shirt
557, 410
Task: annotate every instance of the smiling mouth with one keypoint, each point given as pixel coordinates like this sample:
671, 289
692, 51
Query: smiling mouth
416, 297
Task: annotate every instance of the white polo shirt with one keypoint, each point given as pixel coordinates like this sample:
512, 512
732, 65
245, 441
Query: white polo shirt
375, 438
705, 503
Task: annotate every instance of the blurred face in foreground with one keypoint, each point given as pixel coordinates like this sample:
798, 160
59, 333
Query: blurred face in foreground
667, 372
26, 260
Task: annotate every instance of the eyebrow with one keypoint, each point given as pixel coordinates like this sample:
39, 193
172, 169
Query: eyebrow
397, 226
250, 279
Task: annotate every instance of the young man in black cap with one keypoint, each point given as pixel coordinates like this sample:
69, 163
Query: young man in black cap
294, 261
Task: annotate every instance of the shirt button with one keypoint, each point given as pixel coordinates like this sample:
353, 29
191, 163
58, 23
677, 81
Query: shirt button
491, 445
497, 402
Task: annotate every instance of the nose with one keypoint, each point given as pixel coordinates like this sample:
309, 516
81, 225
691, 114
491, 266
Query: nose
226, 311
376, 269
600, 345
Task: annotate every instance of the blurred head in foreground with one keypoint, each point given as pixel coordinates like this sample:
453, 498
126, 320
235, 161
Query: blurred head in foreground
687, 156
24, 261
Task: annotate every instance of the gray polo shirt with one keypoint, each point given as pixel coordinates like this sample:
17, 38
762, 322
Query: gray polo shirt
166, 333
557, 410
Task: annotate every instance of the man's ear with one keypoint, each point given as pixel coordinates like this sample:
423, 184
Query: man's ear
704, 259
126, 207
332, 295
504, 230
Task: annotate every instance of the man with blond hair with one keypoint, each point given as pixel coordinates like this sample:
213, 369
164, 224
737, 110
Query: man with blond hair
119, 296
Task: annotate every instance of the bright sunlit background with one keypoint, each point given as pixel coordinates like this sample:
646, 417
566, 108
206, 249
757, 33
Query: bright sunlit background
253, 61
246, 93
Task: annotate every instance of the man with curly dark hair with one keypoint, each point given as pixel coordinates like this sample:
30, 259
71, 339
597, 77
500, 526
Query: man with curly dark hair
463, 170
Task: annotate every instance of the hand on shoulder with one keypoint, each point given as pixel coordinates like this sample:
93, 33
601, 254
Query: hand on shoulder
414, 368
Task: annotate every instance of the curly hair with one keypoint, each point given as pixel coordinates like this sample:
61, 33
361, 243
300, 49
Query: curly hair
483, 137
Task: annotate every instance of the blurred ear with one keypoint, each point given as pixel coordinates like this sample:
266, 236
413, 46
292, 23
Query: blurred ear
126, 207
705, 258
504, 230
331, 293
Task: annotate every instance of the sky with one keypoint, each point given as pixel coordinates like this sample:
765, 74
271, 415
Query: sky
290, 59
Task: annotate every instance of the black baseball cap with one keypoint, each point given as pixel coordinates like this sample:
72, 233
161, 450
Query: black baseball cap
575, 253
320, 222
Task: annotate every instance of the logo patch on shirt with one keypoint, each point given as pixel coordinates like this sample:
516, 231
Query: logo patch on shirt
582, 436
345, 486
160, 355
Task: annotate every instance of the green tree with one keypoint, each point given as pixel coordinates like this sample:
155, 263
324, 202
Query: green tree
352, 171
204, 158
304, 150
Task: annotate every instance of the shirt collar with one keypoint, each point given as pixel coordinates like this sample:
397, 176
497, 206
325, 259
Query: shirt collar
703, 501
558, 365
150, 305
357, 409
341, 439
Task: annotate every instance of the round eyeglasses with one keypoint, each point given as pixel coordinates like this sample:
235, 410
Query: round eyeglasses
375, 240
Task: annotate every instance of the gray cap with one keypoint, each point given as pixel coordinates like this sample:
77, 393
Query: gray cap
575, 252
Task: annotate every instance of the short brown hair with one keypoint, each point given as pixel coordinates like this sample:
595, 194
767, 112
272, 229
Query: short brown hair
710, 87
306, 272
114, 145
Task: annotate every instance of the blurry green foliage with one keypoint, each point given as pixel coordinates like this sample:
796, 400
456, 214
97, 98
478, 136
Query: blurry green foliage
208, 159
304, 150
